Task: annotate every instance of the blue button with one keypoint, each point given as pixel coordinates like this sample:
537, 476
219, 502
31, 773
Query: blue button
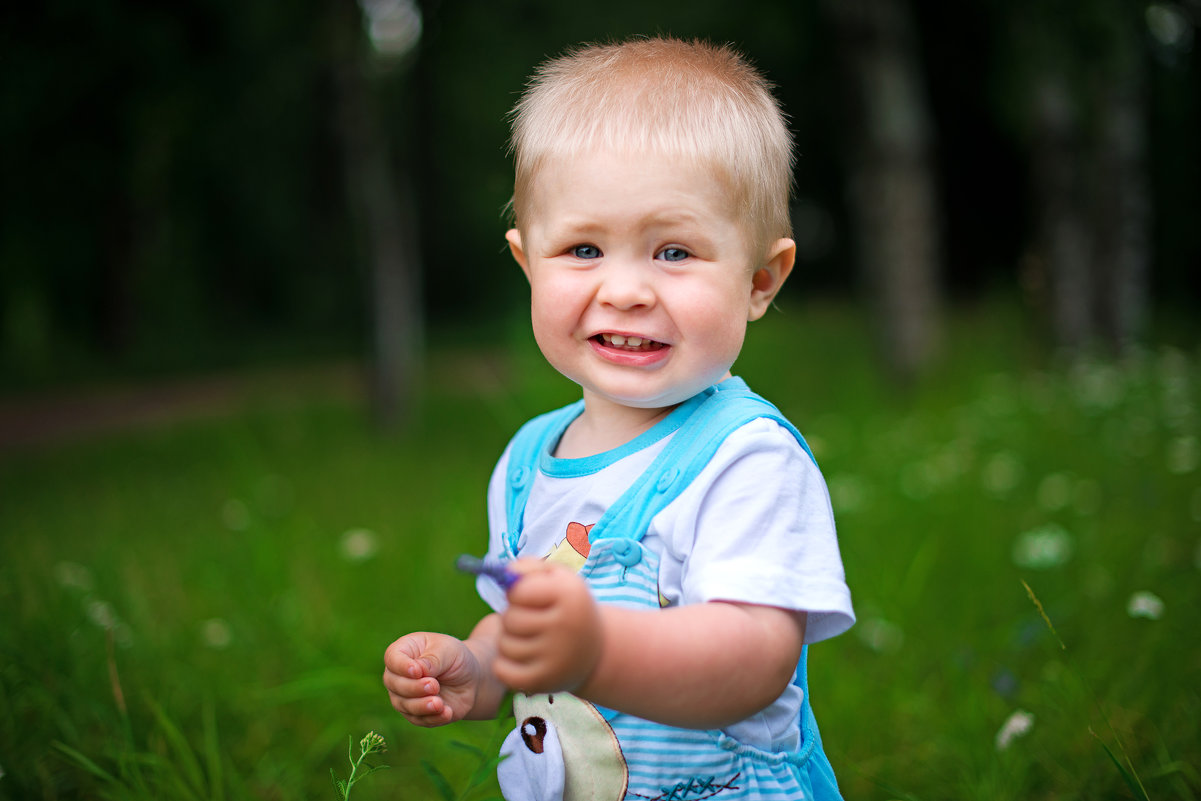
667, 479
627, 553
519, 477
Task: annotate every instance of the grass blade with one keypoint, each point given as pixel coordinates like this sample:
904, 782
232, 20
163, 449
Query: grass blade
440, 782
85, 763
212, 753
1132, 781
185, 756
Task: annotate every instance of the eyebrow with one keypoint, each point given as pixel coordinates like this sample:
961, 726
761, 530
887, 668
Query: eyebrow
585, 225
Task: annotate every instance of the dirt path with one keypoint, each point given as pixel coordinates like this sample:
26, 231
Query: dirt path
40, 419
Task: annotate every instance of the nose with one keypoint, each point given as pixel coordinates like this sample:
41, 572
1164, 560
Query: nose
625, 285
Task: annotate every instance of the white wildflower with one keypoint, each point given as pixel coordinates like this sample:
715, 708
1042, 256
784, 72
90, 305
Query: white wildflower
235, 515
1146, 605
216, 633
73, 576
1184, 455
1043, 548
918, 480
359, 545
101, 613
880, 635
1098, 387
848, 493
1002, 473
1055, 492
1015, 726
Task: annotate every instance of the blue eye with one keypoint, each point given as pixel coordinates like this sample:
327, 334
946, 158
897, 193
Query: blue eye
674, 254
586, 252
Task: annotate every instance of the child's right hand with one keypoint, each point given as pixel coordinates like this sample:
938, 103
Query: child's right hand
432, 679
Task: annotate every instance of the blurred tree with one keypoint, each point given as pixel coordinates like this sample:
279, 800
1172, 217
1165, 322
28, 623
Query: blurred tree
381, 196
891, 187
1080, 91
167, 193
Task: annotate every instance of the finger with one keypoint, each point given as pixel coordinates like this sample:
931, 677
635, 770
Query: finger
424, 711
527, 566
540, 589
401, 655
410, 688
519, 650
517, 676
524, 621
413, 656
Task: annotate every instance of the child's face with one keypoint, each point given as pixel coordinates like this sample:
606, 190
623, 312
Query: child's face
642, 279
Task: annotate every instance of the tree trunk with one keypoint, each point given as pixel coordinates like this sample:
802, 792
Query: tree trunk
1061, 218
891, 187
386, 220
1124, 212
1092, 193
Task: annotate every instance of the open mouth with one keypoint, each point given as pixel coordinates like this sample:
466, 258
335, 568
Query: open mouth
630, 343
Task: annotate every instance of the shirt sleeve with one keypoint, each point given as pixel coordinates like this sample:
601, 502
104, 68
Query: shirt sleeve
756, 526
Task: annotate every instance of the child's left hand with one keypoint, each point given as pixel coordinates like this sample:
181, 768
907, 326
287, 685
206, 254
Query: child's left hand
550, 637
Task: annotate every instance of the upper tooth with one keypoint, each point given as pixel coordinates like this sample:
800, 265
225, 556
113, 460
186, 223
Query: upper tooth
633, 342
618, 340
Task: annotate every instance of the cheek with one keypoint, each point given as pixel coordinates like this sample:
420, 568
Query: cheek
553, 320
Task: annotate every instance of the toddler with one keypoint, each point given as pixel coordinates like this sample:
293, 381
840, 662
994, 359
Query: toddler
663, 550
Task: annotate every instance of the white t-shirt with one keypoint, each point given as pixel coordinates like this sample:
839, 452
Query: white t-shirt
755, 526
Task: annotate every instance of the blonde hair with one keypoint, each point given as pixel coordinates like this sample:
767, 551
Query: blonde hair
695, 100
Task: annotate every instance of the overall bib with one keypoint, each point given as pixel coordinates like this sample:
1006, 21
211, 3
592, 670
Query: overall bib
566, 748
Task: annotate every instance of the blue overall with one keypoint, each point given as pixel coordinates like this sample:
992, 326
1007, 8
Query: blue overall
660, 762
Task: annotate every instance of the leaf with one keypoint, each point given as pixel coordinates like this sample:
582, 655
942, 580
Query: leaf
487, 769
1135, 786
85, 763
212, 753
440, 782
321, 683
184, 755
373, 769
469, 748
333, 778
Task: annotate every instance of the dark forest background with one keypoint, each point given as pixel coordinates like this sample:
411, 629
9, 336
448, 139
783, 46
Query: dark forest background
198, 185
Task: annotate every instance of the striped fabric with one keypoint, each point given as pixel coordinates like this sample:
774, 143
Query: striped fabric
665, 762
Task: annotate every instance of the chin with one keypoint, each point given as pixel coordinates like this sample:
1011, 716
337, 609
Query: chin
642, 400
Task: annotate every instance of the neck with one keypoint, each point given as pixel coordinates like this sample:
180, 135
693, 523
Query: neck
605, 425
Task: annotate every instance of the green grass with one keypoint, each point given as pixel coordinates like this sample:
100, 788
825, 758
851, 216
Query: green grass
184, 615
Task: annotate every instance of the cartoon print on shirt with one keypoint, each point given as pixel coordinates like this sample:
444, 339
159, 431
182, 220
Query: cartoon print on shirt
562, 750
559, 730
573, 549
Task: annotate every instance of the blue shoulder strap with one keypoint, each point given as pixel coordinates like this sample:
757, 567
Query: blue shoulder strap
529, 443
715, 414
726, 408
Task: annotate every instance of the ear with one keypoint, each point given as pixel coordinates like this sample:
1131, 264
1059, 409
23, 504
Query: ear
768, 279
513, 236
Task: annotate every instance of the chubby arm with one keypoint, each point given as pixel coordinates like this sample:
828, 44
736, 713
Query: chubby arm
434, 679
697, 666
